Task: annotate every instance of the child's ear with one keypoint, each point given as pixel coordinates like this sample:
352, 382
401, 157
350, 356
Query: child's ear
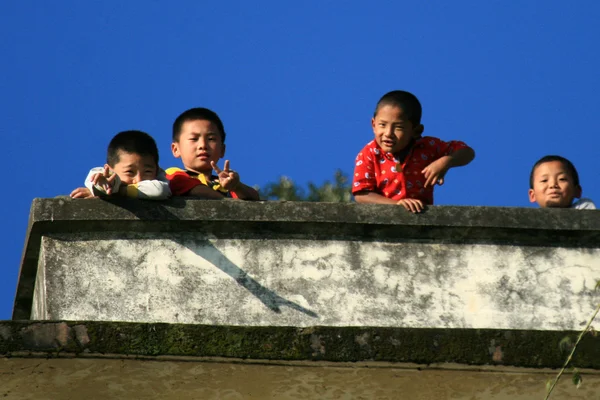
578, 192
418, 131
531, 196
175, 150
373, 124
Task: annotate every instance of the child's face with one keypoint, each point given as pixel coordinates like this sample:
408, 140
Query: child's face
393, 131
553, 186
134, 168
200, 142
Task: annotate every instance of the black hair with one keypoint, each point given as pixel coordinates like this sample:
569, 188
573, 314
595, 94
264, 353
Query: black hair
197, 114
137, 142
566, 163
408, 102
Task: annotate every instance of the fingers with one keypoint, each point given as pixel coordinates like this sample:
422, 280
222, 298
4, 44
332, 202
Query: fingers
412, 205
226, 167
440, 181
215, 167
81, 193
431, 180
95, 178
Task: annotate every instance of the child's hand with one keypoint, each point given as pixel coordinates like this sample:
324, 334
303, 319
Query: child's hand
82, 193
229, 179
105, 180
435, 172
412, 205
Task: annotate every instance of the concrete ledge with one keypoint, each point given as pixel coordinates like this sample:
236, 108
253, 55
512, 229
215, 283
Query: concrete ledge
537, 349
305, 264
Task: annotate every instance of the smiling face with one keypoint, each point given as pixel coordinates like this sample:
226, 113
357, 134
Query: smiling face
393, 131
200, 142
133, 168
553, 185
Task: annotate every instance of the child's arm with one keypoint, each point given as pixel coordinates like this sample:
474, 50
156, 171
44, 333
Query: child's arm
230, 180
365, 197
147, 190
245, 192
204, 192
81, 193
155, 189
436, 171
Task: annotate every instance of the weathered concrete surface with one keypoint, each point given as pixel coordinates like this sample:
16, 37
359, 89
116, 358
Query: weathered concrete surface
192, 278
302, 264
60, 378
539, 349
98, 360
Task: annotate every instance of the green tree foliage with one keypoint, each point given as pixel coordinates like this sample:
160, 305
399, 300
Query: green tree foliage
336, 191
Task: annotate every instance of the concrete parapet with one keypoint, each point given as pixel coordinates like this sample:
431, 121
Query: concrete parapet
309, 264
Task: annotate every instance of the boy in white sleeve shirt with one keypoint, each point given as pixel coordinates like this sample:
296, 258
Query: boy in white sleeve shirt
131, 170
554, 183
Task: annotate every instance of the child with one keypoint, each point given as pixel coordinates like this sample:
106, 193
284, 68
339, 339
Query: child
131, 170
554, 183
199, 140
400, 166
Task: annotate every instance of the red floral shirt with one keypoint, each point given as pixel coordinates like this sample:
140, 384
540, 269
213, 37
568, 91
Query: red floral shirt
380, 172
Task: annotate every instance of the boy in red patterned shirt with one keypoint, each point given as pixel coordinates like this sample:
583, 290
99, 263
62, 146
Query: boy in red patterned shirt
400, 166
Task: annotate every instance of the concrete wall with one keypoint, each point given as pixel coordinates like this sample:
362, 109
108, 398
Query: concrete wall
298, 264
171, 379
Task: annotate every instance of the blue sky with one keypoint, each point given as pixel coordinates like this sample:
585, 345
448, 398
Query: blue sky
296, 85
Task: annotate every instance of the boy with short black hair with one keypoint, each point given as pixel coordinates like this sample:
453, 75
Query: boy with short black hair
199, 140
400, 166
554, 183
131, 170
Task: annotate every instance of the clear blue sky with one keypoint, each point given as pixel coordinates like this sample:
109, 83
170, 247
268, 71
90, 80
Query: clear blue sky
295, 84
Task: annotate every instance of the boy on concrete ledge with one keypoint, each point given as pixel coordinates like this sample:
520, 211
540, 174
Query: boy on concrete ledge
131, 170
199, 140
400, 166
554, 183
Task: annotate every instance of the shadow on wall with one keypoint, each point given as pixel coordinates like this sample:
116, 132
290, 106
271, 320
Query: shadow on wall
211, 254
269, 298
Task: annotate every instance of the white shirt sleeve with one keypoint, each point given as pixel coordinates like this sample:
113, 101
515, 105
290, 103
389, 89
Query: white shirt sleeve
584, 204
155, 189
98, 190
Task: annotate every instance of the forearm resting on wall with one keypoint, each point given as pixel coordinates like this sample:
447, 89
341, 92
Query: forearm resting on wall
366, 197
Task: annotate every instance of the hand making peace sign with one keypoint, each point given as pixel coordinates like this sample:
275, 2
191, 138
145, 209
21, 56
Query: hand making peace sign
228, 178
105, 180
